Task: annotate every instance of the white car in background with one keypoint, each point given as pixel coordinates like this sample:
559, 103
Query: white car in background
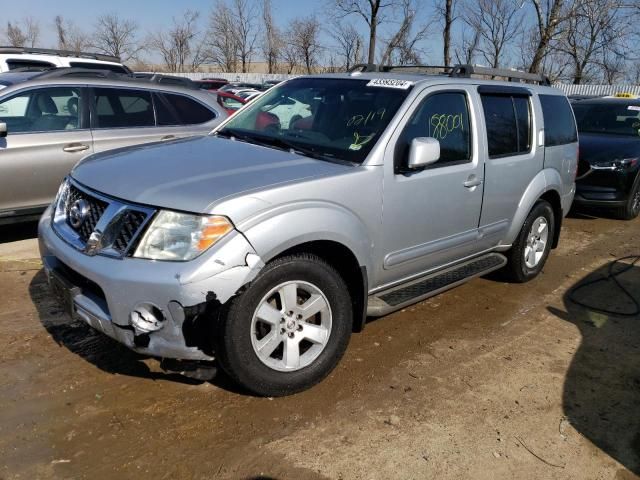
21, 58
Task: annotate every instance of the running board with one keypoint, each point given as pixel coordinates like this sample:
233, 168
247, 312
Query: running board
400, 296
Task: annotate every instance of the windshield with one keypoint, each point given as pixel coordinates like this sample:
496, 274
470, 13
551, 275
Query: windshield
619, 118
331, 119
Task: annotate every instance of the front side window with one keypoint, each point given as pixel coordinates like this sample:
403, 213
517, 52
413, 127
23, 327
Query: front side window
508, 122
42, 110
445, 117
331, 119
559, 125
608, 117
117, 108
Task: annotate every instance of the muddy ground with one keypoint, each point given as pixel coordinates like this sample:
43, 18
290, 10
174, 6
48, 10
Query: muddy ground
489, 380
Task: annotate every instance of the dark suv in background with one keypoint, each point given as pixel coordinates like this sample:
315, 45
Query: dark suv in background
609, 165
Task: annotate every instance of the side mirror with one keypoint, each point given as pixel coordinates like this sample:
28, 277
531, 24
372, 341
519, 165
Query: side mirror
3, 129
423, 151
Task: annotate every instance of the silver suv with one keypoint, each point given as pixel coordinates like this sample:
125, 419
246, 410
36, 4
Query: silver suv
326, 200
50, 120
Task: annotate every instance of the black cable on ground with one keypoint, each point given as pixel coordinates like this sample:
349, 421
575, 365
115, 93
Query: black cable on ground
611, 275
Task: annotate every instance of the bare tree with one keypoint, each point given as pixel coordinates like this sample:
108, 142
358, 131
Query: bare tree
116, 36
595, 31
176, 45
401, 48
304, 37
445, 10
290, 55
69, 36
246, 32
31, 31
272, 41
498, 22
549, 16
15, 36
371, 11
469, 42
349, 44
221, 38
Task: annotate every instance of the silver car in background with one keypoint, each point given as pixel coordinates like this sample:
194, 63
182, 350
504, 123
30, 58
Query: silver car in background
50, 120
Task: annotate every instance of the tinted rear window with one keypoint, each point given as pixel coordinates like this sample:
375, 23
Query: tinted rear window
508, 120
13, 64
187, 110
559, 125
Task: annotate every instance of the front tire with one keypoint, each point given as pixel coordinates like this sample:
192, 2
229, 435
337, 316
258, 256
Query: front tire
527, 256
289, 329
632, 209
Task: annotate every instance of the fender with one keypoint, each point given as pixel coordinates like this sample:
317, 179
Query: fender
546, 180
275, 230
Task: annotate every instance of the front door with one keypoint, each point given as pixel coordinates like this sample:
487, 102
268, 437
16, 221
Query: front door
47, 134
431, 216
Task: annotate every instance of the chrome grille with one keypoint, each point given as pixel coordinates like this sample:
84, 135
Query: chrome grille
105, 226
131, 224
96, 210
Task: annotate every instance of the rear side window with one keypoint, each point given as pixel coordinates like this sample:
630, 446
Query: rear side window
559, 124
117, 108
14, 63
508, 120
187, 110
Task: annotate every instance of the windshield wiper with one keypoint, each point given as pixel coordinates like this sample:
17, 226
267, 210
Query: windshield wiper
279, 143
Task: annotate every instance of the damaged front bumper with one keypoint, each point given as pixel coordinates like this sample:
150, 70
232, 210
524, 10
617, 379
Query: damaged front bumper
111, 294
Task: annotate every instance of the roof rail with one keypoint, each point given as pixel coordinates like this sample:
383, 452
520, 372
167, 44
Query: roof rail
61, 53
78, 72
460, 71
109, 74
466, 71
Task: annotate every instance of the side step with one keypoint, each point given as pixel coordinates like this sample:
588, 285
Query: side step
400, 296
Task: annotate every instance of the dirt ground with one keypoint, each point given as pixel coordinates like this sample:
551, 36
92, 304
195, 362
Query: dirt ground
489, 380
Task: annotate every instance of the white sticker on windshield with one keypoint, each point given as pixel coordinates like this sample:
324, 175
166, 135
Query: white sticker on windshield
390, 83
635, 108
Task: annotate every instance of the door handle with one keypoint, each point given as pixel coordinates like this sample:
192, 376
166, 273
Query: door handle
167, 137
472, 181
75, 147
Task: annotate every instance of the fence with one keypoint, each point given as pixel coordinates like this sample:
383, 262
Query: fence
569, 89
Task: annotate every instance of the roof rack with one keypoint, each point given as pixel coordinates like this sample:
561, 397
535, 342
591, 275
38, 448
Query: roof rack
459, 71
108, 74
61, 53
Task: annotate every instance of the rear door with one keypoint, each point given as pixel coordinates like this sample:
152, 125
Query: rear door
48, 133
514, 158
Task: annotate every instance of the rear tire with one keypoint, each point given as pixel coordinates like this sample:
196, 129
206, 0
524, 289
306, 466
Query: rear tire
289, 329
527, 256
632, 209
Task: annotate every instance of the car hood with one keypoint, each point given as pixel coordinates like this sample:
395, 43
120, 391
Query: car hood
598, 147
194, 173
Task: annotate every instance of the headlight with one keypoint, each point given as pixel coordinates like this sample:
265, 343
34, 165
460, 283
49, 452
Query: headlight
181, 236
59, 204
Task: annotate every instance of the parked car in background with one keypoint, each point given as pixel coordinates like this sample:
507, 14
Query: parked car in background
264, 245
212, 84
609, 168
50, 120
235, 87
230, 102
13, 58
248, 94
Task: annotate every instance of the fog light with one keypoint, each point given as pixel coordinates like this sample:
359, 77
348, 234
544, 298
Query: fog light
146, 318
